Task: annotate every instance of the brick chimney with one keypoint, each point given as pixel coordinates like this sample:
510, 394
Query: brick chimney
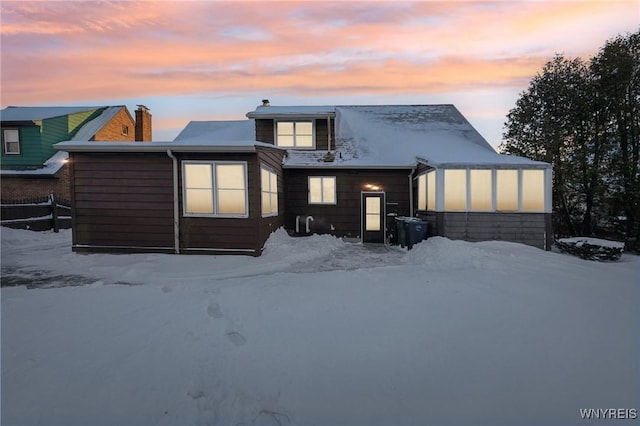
143, 124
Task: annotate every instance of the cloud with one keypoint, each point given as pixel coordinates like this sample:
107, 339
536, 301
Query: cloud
66, 51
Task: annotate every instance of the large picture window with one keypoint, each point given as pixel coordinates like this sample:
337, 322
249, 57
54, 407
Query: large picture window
11, 141
269, 185
215, 189
322, 190
294, 134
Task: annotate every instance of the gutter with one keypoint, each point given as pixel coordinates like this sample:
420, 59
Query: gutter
149, 147
176, 210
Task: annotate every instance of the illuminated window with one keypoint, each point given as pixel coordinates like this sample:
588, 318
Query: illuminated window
294, 134
431, 190
11, 141
532, 190
215, 189
455, 190
507, 190
427, 191
422, 192
480, 190
373, 214
322, 190
269, 185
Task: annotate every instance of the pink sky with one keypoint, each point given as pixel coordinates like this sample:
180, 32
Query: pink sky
207, 60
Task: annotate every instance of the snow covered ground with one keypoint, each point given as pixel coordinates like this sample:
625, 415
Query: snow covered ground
316, 332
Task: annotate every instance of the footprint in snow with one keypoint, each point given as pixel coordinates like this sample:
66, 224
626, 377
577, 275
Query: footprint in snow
236, 338
214, 311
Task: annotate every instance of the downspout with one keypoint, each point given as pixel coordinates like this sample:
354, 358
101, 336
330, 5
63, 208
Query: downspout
176, 208
411, 192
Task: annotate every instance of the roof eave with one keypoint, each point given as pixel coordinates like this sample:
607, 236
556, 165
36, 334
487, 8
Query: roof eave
275, 116
148, 147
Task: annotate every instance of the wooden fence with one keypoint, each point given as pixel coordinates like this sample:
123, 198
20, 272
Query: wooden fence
37, 214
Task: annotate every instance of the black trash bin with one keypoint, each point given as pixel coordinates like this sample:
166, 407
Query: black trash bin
416, 230
401, 230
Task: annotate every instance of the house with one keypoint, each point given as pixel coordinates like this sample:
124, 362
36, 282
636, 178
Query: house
30, 165
224, 186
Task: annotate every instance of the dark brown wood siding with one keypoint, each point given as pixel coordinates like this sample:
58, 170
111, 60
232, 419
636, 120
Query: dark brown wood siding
344, 218
122, 200
271, 158
219, 234
265, 132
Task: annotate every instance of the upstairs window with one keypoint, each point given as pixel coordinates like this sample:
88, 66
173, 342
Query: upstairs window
125, 130
322, 190
269, 184
11, 141
294, 134
215, 189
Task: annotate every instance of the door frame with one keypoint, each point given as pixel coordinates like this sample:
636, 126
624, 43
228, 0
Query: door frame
383, 214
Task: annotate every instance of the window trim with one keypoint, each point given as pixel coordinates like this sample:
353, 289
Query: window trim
271, 171
214, 189
295, 144
4, 141
323, 203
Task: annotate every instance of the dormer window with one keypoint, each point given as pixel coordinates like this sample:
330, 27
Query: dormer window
295, 134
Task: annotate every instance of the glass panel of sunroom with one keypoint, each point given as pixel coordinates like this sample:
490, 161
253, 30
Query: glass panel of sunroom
422, 192
431, 190
533, 190
455, 190
507, 190
480, 182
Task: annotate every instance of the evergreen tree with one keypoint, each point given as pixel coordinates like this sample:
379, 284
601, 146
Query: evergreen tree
584, 119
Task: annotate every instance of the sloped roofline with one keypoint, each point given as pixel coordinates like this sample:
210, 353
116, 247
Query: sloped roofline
34, 113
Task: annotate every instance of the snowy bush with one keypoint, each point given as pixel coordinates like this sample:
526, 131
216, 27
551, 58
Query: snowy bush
591, 248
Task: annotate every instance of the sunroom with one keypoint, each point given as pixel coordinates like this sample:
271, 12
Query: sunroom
508, 200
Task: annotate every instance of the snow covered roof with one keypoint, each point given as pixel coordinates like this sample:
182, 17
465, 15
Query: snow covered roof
14, 113
239, 132
49, 168
197, 136
292, 111
401, 135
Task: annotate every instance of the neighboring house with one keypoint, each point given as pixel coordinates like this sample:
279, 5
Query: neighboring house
30, 165
223, 187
